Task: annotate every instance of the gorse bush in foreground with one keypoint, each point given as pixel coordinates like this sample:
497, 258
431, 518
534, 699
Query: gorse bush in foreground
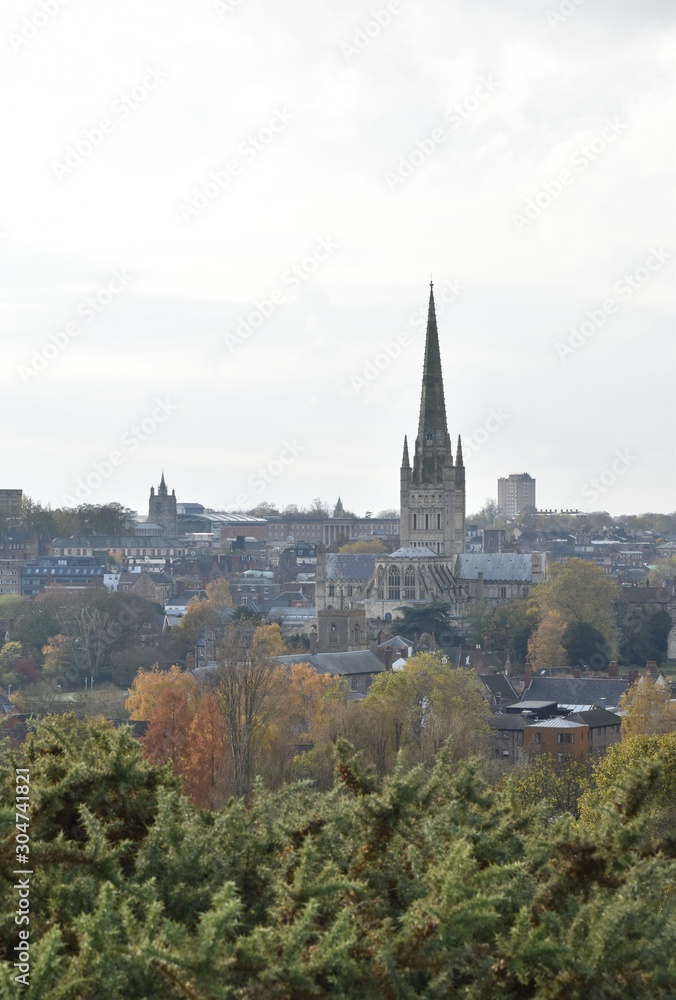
426, 885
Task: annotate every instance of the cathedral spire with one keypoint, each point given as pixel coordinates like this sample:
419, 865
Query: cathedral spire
458, 456
432, 406
430, 444
163, 486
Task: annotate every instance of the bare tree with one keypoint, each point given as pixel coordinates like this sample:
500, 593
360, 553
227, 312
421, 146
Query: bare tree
244, 681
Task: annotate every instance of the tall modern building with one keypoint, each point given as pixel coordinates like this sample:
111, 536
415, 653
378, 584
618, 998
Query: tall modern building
433, 487
516, 494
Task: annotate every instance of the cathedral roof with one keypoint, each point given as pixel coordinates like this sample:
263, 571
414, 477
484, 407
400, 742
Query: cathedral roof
349, 565
413, 552
495, 566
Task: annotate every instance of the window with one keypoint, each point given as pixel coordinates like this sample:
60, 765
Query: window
332, 590
393, 584
505, 753
427, 521
438, 522
349, 590
409, 585
565, 738
415, 521
505, 734
503, 592
538, 737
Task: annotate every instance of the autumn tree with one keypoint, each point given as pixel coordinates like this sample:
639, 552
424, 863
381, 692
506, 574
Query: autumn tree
147, 687
218, 593
648, 708
244, 681
545, 647
579, 591
419, 708
206, 777
374, 545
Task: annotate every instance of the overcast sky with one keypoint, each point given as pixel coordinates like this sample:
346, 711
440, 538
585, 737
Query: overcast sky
220, 222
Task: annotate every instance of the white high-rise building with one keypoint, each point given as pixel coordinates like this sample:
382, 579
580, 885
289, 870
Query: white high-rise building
516, 494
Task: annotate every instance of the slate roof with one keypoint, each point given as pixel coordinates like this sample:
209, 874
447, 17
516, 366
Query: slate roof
495, 566
577, 690
396, 642
349, 565
498, 685
595, 718
340, 664
513, 722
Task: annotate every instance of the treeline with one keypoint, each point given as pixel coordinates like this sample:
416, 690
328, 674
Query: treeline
250, 717
62, 522
427, 884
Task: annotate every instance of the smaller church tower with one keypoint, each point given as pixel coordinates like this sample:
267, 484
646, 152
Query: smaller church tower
162, 509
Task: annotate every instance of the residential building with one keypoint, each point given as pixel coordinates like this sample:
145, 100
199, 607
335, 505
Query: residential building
10, 576
73, 573
516, 493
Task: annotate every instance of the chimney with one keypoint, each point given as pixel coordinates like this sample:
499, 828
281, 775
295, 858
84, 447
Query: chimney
389, 657
313, 640
651, 666
577, 672
190, 661
612, 669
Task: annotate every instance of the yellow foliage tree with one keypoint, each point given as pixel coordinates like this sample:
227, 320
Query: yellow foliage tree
218, 592
579, 591
375, 546
649, 711
148, 685
544, 646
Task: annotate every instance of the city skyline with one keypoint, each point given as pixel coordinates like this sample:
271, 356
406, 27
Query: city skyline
223, 221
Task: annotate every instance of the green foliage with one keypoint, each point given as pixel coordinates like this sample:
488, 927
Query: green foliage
428, 885
584, 645
432, 618
509, 627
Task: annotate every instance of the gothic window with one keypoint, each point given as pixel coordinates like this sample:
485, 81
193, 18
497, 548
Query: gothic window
356, 635
438, 522
393, 584
409, 585
428, 437
333, 637
427, 520
415, 521
332, 590
349, 590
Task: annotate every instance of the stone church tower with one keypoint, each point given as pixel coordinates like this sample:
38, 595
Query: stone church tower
162, 509
433, 488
